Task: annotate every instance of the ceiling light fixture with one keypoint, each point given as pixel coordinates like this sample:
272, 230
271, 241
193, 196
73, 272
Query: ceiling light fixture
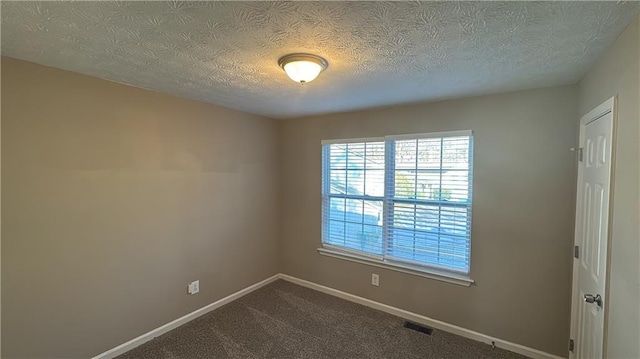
302, 68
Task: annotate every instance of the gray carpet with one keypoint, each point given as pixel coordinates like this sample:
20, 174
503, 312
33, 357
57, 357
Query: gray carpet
284, 320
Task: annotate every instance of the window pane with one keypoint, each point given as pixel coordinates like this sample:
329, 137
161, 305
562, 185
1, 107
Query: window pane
335, 233
362, 218
428, 185
338, 181
353, 211
402, 243
336, 209
374, 182
355, 182
403, 215
454, 221
455, 186
337, 156
405, 184
455, 152
372, 239
355, 156
429, 150
356, 169
405, 154
373, 213
375, 156
427, 218
355, 224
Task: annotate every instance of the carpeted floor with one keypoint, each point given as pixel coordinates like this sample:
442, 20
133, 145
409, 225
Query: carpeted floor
283, 320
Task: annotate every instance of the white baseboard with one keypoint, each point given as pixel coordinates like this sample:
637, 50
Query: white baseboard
417, 318
450, 328
123, 348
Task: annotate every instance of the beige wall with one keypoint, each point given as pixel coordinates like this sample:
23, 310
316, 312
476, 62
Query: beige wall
617, 73
524, 184
113, 199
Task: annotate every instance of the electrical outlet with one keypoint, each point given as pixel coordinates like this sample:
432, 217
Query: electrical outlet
194, 287
375, 280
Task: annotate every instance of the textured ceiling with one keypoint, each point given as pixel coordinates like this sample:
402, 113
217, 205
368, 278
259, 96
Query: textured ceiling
379, 53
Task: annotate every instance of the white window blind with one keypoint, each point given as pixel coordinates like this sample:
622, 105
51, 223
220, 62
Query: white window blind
402, 199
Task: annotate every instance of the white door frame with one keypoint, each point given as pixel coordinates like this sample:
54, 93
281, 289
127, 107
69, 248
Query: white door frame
608, 106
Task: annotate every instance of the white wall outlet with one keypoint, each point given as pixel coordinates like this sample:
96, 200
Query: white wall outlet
194, 287
375, 280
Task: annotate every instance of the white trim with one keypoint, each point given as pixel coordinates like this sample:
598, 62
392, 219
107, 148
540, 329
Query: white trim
409, 136
352, 140
450, 328
403, 268
430, 135
133, 343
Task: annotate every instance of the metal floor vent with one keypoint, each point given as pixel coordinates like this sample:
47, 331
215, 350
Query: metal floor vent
418, 327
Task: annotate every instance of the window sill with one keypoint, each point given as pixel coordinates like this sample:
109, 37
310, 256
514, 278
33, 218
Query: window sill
403, 268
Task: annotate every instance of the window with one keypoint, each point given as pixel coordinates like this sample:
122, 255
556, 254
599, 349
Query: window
404, 200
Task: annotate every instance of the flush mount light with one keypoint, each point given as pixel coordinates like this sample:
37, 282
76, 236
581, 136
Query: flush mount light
302, 68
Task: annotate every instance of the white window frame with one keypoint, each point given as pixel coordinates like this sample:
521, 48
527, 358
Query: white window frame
417, 269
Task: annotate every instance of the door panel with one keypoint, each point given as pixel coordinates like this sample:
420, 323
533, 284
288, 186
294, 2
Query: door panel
592, 237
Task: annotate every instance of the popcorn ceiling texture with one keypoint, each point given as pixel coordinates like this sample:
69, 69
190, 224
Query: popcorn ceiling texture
379, 53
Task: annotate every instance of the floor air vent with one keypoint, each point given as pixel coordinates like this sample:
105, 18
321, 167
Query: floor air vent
418, 327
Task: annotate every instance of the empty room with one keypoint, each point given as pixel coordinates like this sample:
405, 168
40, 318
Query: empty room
339, 179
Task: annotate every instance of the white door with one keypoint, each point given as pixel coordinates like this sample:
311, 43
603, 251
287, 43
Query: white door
592, 233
